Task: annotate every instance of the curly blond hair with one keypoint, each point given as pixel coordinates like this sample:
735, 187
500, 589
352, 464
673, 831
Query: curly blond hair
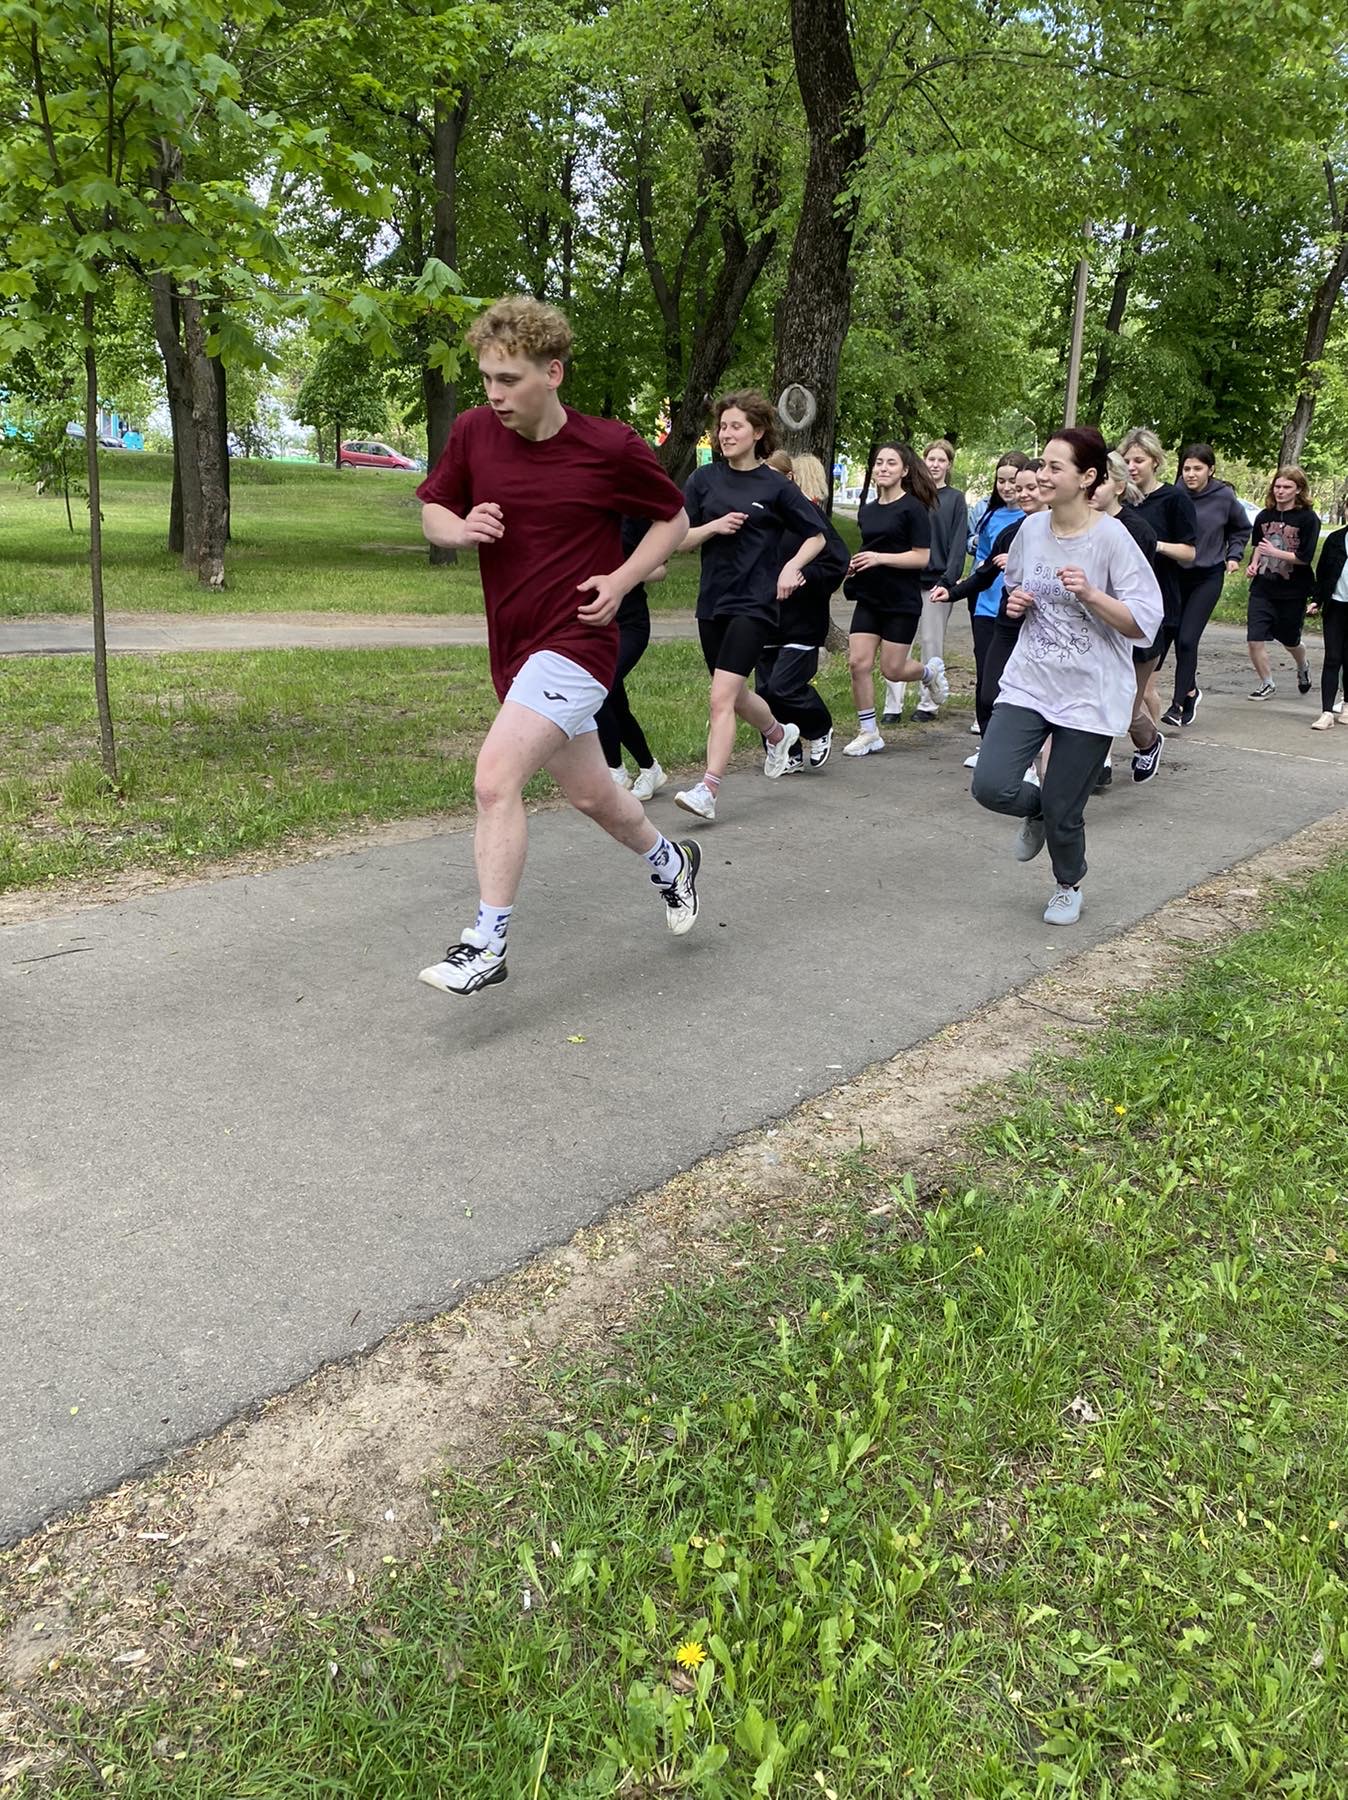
522, 326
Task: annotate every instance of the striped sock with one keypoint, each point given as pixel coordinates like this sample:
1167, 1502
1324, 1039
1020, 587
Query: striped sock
712, 783
866, 720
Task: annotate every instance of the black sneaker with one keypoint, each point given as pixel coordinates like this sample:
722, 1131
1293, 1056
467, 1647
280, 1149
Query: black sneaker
1146, 762
1173, 715
1191, 706
891, 718
1265, 691
1304, 679
468, 967
1106, 779
680, 895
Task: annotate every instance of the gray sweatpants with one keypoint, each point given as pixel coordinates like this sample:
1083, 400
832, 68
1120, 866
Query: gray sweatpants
1012, 738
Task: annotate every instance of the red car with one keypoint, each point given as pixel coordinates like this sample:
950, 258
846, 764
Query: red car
369, 453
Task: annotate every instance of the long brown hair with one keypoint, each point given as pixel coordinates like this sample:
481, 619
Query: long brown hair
917, 479
1290, 472
758, 410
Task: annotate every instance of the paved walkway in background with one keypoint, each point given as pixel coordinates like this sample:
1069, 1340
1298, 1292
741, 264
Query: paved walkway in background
148, 634
238, 1138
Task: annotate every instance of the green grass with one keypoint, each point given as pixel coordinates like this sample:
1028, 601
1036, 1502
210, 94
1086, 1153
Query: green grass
305, 539
1035, 1490
221, 753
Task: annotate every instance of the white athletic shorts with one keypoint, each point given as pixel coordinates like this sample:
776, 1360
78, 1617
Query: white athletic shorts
560, 690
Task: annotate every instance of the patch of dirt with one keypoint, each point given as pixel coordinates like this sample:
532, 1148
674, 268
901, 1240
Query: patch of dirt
300, 1506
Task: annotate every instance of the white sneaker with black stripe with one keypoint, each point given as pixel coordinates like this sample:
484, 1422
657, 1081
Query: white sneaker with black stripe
680, 895
468, 966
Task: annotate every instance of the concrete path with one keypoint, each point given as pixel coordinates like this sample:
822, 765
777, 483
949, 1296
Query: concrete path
151, 634
238, 1138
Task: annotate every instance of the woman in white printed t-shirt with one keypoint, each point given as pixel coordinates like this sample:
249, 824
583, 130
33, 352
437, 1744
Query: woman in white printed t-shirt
1087, 597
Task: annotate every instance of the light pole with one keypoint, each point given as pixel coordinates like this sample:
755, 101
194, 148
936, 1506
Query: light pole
1078, 333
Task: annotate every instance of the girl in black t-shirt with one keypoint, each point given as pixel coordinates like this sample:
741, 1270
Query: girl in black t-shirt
885, 586
1279, 571
740, 511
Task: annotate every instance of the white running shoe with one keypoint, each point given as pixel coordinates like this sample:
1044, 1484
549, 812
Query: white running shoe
934, 683
779, 754
680, 895
649, 782
1064, 908
1324, 723
819, 749
865, 743
1337, 706
1032, 776
971, 762
699, 800
975, 730
467, 967
620, 777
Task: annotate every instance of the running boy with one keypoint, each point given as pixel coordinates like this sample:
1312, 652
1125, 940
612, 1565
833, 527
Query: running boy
540, 491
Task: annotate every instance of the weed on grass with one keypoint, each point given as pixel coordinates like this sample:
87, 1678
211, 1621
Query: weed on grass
1036, 1489
223, 753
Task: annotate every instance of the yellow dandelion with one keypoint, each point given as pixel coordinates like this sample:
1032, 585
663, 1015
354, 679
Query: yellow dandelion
690, 1655
1120, 1110
1334, 1524
978, 1249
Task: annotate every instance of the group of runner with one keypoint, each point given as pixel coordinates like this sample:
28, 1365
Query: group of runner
1088, 567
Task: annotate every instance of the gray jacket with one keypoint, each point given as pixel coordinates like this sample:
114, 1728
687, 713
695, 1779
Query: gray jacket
1223, 528
949, 533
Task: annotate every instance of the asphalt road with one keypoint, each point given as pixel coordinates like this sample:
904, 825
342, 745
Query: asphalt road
238, 1138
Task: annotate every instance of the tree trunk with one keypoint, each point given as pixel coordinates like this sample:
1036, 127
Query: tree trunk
816, 304
440, 396
746, 244
107, 743
1130, 247
1318, 322
206, 555
336, 443
222, 427
185, 500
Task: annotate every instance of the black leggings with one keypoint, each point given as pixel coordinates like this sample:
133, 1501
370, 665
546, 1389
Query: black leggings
985, 634
1200, 590
1332, 674
615, 720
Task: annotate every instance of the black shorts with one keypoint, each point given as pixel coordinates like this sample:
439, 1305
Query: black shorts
882, 622
733, 642
1154, 651
1278, 621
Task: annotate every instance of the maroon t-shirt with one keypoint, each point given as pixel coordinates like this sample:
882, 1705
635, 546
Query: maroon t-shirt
562, 503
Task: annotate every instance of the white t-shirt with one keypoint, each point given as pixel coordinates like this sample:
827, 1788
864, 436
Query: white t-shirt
1069, 665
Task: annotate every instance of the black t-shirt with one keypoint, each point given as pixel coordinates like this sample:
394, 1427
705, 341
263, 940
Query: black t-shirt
635, 610
1170, 513
739, 572
1144, 536
804, 616
898, 525
1297, 530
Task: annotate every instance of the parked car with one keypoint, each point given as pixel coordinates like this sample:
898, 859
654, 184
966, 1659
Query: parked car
369, 453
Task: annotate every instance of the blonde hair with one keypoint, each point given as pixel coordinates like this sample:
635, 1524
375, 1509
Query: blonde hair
522, 326
1118, 474
942, 444
808, 474
1147, 441
781, 461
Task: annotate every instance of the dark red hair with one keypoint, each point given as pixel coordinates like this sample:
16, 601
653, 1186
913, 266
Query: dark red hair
1089, 450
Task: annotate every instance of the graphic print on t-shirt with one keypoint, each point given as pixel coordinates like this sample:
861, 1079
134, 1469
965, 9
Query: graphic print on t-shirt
1057, 627
1282, 535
